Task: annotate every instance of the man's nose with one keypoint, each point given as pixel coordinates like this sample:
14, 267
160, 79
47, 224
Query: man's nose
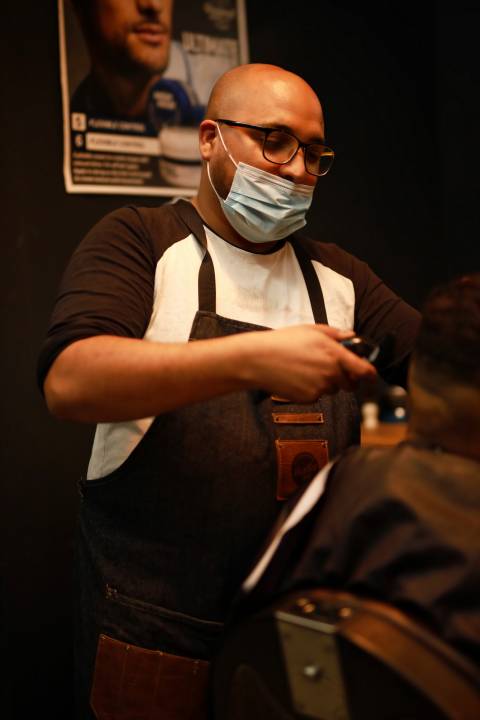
152, 5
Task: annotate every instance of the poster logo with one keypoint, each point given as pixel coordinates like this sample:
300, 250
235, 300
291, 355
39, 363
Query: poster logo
221, 13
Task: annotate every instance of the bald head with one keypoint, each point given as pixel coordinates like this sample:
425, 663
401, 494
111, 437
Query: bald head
256, 92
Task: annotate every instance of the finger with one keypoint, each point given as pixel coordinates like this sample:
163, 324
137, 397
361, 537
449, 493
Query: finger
359, 369
346, 380
355, 365
334, 333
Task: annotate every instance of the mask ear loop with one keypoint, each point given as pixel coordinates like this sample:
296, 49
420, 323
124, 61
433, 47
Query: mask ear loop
208, 163
211, 183
224, 146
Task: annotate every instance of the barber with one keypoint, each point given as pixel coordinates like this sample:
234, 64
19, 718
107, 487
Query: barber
203, 339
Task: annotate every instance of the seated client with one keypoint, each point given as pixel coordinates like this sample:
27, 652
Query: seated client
402, 524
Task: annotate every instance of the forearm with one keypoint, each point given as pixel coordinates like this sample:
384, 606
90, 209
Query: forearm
108, 379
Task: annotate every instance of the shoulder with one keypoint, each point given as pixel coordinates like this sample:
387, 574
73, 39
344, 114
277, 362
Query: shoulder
153, 229
428, 494
359, 464
336, 258
381, 459
363, 475
370, 473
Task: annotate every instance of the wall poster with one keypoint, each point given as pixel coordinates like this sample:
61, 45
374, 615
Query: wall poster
136, 76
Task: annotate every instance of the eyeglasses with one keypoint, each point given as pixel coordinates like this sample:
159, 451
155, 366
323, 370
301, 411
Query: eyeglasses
280, 147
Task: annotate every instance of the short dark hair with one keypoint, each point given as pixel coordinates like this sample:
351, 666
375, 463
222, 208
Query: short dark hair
448, 343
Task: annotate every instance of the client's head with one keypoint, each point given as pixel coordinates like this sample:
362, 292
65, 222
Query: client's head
444, 377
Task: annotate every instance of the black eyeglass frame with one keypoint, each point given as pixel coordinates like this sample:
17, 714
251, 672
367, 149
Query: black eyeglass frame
268, 130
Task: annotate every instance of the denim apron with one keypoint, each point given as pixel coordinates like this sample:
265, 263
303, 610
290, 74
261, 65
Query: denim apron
166, 539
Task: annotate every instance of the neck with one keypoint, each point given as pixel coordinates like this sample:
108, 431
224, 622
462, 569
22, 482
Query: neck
210, 210
464, 446
128, 95
448, 417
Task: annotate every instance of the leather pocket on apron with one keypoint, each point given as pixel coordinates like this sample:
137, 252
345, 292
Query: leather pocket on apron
133, 683
298, 462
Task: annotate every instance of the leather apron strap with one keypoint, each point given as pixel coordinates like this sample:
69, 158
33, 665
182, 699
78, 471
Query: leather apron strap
206, 277
312, 282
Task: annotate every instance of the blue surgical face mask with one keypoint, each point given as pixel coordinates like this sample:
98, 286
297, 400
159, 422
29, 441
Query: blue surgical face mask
263, 207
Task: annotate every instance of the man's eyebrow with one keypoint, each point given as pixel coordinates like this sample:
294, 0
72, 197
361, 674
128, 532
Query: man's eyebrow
279, 126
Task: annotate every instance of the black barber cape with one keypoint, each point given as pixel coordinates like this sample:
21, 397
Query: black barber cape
400, 525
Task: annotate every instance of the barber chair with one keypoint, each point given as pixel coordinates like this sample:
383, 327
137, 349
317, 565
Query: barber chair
332, 656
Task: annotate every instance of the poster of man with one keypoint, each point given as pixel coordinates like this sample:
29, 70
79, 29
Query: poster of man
136, 76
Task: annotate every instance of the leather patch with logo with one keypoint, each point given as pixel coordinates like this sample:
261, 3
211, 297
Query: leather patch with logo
298, 462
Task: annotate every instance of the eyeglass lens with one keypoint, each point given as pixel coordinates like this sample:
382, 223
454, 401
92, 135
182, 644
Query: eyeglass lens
279, 147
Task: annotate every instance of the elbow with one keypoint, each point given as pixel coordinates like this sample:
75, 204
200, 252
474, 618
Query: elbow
71, 387
57, 397
61, 395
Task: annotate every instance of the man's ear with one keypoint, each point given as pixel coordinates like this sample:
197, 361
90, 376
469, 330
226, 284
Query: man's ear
207, 135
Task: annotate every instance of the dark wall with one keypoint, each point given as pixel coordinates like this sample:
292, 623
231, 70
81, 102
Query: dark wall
374, 68
399, 87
